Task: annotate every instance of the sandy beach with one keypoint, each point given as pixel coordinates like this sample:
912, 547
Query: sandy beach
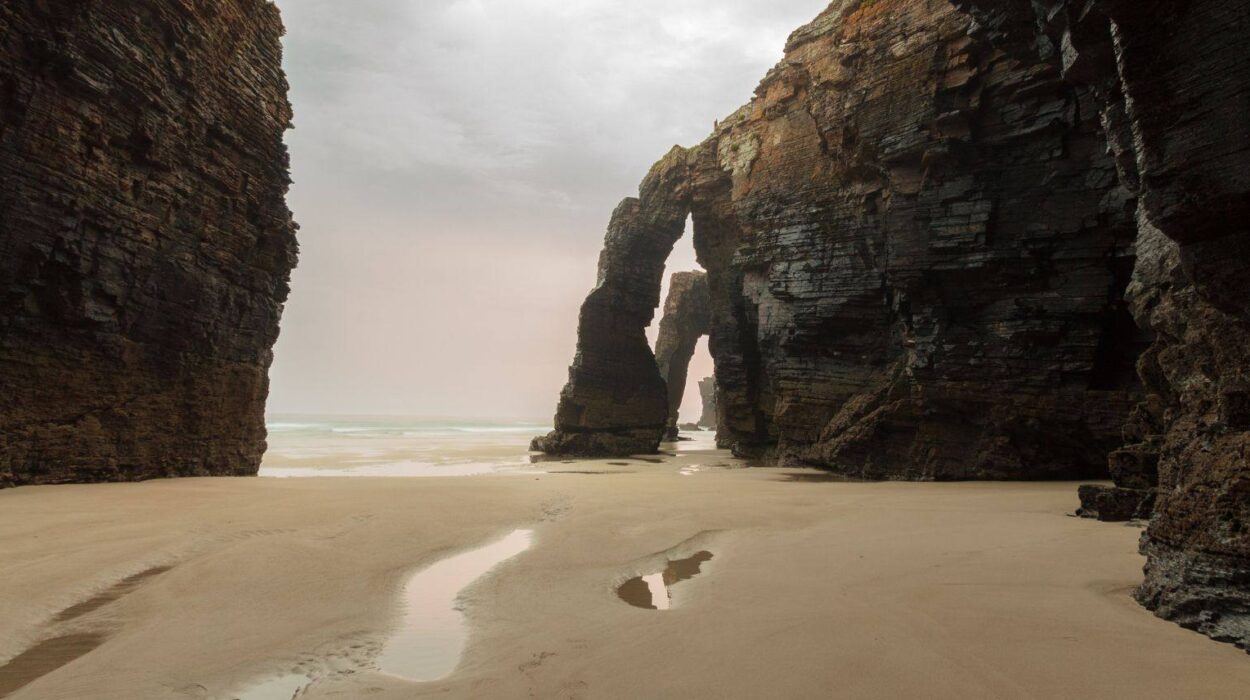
815, 589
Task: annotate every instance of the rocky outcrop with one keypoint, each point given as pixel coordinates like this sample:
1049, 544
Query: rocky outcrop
932, 248
615, 402
707, 392
686, 319
955, 239
916, 249
146, 243
1115, 503
1173, 82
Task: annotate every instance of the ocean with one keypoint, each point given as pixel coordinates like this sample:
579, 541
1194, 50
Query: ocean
327, 446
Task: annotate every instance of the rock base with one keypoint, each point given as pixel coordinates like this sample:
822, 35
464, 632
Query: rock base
1203, 592
598, 444
1114, 504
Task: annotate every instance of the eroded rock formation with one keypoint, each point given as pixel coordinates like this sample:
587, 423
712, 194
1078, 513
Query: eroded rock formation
707, 392
686, 320
982, 239
145, 242
615, 402
916, 249
1173, 82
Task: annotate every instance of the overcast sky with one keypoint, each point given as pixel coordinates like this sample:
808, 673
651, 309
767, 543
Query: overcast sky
455, 165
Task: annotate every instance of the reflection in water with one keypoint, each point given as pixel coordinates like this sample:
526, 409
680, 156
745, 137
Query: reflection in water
44, 658
433, 634
653, 591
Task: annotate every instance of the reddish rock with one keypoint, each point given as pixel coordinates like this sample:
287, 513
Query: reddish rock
145, 242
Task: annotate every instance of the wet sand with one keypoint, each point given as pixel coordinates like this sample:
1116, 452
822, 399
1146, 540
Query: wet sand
813, 590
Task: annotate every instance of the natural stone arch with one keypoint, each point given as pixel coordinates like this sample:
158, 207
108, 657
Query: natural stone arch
687, 318
615, 402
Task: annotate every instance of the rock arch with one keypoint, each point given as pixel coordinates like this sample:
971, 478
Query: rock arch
616, 402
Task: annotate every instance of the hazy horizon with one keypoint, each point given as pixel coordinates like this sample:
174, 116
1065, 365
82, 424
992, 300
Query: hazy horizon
455, 164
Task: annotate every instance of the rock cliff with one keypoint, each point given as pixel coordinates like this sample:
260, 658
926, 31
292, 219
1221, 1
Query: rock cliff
916, 249
1173, 86
686, 319
954, 239
145, 242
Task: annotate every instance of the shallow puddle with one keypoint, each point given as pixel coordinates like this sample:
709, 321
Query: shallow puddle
44, 658
118, 590
653, 591
432, 637
433, 633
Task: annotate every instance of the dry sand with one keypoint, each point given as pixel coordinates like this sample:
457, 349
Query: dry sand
816, 590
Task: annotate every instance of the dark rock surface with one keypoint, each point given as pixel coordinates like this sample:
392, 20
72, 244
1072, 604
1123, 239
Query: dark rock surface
615, 402
145, 242
916, 250
707, 392
1115, 503
1173, 84
956, 239
686, 320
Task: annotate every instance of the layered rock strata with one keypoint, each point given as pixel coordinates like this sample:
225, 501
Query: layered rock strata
1173, 82
145, 242
686, 320
916, 250
616, 402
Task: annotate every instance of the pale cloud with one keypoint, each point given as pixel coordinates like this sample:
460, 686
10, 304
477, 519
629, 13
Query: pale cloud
453, 157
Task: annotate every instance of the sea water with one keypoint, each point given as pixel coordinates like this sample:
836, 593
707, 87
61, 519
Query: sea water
328, 446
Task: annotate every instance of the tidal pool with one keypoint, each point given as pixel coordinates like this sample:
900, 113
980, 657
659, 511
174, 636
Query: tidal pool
433, 634
653, 591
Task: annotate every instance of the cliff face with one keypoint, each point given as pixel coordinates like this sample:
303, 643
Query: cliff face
931, 248
686, 319
916, 250
145, 243
1173, 81
974, 239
